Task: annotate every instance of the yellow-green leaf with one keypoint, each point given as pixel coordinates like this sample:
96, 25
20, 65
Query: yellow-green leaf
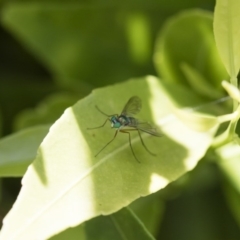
66, 185
227, 33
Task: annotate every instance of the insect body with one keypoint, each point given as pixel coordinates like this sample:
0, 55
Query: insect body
125, 122
122, 121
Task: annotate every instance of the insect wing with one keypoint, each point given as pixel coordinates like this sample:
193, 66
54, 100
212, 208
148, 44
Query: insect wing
148, 128
133, 106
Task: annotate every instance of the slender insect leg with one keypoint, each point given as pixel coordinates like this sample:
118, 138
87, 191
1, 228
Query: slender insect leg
130, 143
108, 143
99, 126
153, 154
144, 144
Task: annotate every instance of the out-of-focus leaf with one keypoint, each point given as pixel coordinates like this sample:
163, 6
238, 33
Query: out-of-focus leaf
227, 34
75, 51
24, 93
18, 150
0, 122
233, 197
198, 83
150, 211
232, 90
66, 182
196, 121
48, 111
188, 38
230, 162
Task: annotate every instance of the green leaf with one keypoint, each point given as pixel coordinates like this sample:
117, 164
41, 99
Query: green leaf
188, 38
229, 163
120, 225
75, 233
227, 34
73, 51
18, 150
150, 211
47, 112
197, 121
232, 197
0, 122
66, 185
198, 83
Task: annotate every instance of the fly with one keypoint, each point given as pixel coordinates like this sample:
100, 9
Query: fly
126, 122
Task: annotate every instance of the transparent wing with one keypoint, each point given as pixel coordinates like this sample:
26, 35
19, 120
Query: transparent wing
133, 106
148, 128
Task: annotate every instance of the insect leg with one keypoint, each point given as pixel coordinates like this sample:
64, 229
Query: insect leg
108, 143
135, 129
130, 144
99, 126
144, 144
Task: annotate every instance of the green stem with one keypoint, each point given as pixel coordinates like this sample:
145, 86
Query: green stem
229, 134
234, 82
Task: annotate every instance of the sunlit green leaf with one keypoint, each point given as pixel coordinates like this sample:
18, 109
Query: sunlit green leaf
123, 224
227, 33
66, 182
197, 121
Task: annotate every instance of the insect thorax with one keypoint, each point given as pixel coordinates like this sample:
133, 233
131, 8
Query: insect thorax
121, 121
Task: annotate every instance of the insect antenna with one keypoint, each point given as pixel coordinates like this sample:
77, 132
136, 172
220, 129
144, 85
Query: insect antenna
104, 112
105, 120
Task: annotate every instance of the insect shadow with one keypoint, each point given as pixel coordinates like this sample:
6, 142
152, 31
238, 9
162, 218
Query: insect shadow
126, 122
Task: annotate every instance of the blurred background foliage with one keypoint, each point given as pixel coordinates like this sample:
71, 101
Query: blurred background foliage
54, 53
